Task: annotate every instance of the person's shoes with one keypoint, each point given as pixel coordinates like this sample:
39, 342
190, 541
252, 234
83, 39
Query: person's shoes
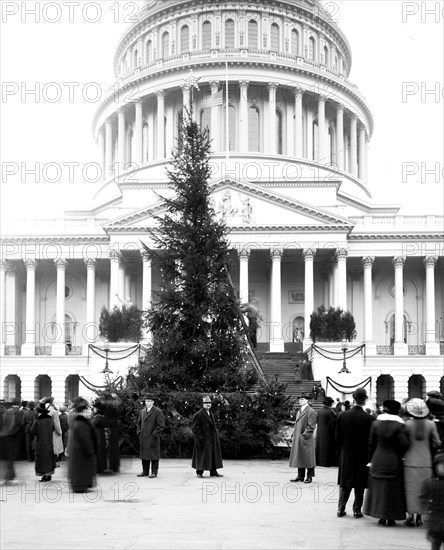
45, 478
143, 474
200, 476
382, 522
297, 479
410, 522
418, 521
391, 523
341, 512
215, 474
358, 515
308, 480
152, 475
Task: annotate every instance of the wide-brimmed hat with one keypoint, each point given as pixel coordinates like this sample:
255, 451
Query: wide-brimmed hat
391, 406
206, 399
41, 408
47, 400
360, 394
417, 408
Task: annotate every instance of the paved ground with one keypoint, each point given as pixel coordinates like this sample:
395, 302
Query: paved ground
253, 506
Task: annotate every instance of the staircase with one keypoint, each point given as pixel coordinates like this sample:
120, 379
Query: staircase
285, 367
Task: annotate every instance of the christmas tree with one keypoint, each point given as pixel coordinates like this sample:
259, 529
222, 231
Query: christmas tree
197, 338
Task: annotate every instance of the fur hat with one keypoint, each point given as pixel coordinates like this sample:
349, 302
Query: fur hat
391, 406
417, 408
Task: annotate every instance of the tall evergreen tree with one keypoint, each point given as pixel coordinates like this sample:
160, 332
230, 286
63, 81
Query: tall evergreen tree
197, 339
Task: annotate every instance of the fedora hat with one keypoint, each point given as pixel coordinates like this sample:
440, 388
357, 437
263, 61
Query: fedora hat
417, 408
149, 397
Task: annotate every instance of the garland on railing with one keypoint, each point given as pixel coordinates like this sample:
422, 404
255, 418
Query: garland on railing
352, 388
94, 387
96, 350
351, 353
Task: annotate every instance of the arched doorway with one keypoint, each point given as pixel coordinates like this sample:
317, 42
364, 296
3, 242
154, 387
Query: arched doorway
417, 386
42, 387
12, 387
385, 388
298, 332
71, 387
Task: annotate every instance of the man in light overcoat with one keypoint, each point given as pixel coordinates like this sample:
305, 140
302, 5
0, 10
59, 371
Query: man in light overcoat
302, 454
150, 427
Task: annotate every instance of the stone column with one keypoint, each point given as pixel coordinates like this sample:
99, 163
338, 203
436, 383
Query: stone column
367, 141
28, 348
11, 293
121, 137
3, 266
122, 273
367, 263
272, 136
400, 348
91, 327
59, 346
101, 148
331, 287
243, 115
160, 94
146, 290
138, 131
362, 150
108, 149
432, 347
309, 255
335, 300
298, 93
244, 256
341, 256
127, 292
321, 130
215, 118
340, 136
114, 279
276, 340
353, 145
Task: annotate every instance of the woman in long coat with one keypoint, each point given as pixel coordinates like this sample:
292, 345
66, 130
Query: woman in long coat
42, 428
325, 435
385, 498
302, 454
99, 423
207, 454
82, 449
423, 437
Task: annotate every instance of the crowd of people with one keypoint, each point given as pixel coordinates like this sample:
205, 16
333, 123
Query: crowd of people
393, 458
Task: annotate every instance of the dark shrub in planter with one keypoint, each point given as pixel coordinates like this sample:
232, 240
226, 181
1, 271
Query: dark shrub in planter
332, 325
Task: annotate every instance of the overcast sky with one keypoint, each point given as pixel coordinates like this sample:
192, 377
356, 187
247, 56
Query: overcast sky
397, 64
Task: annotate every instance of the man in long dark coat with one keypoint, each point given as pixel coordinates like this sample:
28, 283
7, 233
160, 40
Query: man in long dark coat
352, 437
325, 435
206, 453
150, 427
302, 454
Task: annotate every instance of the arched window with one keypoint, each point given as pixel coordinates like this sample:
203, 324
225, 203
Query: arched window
326, 57
294, 42
252, 34
232, 145
149, 51
315, 151
253, 129
311, 49
205, 119
165, 45
279, 132
229, 33
274, 37
136, 59
145, 143
206, 36
184, 39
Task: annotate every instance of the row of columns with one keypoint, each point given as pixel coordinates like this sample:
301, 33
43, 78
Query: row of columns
120, 286
358, 134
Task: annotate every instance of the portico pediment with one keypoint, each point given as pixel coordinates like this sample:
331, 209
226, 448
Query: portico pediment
244, 206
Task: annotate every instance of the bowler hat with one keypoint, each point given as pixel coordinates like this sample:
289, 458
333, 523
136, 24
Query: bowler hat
328, 401
391, 406
149, 397
417, 408
360, 394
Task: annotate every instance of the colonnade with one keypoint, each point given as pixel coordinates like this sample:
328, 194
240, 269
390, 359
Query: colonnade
152, 140
119, 287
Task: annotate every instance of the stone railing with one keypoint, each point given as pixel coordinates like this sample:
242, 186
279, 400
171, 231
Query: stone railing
416, 350
13, 350
43, 350
384, 350
75, 350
